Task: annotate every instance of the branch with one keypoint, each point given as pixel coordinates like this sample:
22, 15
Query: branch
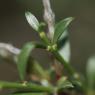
49, 17
26, 86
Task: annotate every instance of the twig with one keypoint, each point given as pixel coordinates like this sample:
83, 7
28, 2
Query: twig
49, 17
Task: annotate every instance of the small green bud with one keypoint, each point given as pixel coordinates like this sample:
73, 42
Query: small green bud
54, 47
41, 26
44, 37
49, 48
42, 34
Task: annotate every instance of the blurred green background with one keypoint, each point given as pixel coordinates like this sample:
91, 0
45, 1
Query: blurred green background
15, 30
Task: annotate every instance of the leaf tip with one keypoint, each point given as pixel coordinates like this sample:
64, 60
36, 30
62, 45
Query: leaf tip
32, 20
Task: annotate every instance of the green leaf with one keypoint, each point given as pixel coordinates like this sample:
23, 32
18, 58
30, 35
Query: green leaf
63, 39
63, 83
23, 59
32, 20
65, 51
60, 28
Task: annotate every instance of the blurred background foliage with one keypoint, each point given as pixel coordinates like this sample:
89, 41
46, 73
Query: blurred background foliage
15, 30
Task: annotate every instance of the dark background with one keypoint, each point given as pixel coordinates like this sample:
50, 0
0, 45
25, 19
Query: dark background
15, 30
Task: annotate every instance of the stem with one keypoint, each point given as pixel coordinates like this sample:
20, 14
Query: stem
44, 38
27, 86
66, 65
72, 74
49, 17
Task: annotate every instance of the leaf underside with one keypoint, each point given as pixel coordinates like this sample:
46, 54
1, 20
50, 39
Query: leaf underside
23, 59
60, 28
32, 20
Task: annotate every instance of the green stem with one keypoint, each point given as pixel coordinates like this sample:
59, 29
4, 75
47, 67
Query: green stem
31, 86
66, 65
44, 38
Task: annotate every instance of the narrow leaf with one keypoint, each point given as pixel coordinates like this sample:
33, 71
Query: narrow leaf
32, 20
23, 59
63, 83
65, 51
60, 28
63, 39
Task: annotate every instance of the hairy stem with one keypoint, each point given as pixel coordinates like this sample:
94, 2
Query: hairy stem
49, 17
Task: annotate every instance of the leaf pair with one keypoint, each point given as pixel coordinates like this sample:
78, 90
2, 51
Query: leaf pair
59, 28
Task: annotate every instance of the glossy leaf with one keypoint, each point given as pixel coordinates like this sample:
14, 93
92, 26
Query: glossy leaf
32, 20
23, 59
60, 28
